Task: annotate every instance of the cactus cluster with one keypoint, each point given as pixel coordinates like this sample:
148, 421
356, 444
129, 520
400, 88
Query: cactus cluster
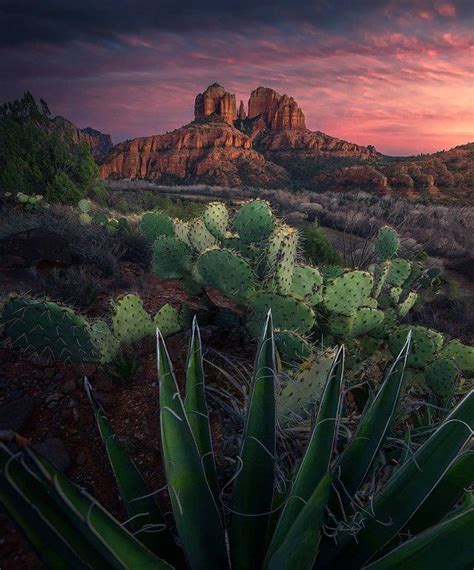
28, 201
57, 333
252, 258
437, 365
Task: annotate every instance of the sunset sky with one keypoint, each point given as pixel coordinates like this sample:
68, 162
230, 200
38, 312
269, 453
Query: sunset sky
397, 74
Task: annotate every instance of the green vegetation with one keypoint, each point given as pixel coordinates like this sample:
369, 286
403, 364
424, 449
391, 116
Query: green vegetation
406, 521
317, 248
37, 158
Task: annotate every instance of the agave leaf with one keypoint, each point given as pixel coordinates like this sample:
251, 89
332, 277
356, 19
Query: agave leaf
299, 547
409, 487
356, 459
146, 519
26, 501
445, 495
446, 545
196, 513
196, 409
253, 486
118, 546
318, 455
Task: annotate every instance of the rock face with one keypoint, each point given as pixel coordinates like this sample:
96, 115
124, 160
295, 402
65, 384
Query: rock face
278, 111
241, 114
216, 101
212, 152
99, 142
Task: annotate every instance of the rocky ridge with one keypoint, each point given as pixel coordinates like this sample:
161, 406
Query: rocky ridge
99, 142
269, 145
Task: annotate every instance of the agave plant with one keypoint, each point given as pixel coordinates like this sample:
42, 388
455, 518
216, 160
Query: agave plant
257, 529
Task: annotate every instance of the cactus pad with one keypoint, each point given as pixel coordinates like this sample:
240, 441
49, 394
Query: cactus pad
463, 355
181, 230
100, 218
380, 276
254, 221
363, 320
48, 330
300, 394
171, 258
399, 272
246, 250
387, 243
405, 306
107, 344
216, 219
85, 218
306, 283
168, 320
292, 347
200, 237
288, 313
130, 321
84, 205
441, 376
423, 346
348, 292
226, 271
281, 256
155, 224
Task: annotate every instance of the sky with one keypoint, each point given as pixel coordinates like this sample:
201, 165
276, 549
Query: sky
397, 74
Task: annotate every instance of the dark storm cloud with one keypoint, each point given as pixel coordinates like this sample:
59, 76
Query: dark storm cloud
31, 21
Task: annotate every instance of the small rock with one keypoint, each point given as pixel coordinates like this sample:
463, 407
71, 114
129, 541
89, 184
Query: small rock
14, 415
54, 450
69, 387
59, 377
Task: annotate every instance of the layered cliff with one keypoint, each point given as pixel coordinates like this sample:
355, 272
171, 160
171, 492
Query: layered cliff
100, 143
216, 101
212, 152
277, 111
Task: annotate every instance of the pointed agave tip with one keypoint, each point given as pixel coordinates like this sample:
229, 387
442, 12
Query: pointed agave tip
88, 388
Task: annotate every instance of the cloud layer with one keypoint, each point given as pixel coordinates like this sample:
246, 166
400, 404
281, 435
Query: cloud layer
395, 74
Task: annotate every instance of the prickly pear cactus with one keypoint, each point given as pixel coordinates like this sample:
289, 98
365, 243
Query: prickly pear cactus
292, 347
226, 271
387, 243
107, 344
155, 224
254, 221
463, 355
216, 219
281, 256
181, 230
48, 330
200, 237
425, 343
130, 321
306, 284
84, 205
298, 395
380, 276
288, 313
246, 250
441, 377
362, 321
85, 218
348, 292
167, 319
172, 258
399, 272
100, 218
405, 306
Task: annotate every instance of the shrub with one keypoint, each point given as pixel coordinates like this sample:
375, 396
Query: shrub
317, 248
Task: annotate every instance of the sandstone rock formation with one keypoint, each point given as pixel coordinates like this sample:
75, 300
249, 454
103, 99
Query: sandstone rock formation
212, 152
270, 146
278, 111
241, 114
216, 101
99, 142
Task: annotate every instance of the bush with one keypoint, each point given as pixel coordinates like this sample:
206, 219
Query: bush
317, 248
38, 157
